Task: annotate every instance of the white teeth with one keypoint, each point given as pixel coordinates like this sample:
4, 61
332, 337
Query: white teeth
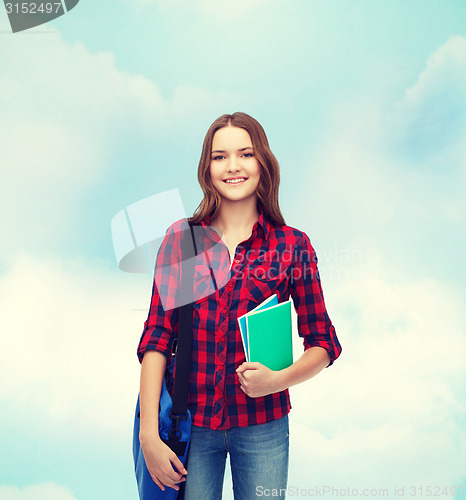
236, 181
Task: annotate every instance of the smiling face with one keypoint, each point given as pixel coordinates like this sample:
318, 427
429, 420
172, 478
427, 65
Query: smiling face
233, 157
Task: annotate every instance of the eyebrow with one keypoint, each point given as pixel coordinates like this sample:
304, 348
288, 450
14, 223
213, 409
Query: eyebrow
222, 151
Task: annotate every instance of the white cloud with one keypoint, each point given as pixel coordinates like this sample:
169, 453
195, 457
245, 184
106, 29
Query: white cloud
390, 409
69, 339
445, 68
43, 491
430, 118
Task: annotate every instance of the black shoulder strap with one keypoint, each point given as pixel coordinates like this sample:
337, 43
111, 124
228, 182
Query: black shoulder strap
185, 327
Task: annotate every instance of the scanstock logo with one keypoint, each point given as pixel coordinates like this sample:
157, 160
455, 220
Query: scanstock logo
24, 15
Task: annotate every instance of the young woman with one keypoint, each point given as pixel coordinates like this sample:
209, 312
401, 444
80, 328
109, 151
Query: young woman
237, 407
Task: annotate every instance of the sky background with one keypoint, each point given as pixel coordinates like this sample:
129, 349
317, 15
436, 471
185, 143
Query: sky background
364, 105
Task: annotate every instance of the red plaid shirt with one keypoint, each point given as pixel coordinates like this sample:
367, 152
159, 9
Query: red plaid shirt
275, 259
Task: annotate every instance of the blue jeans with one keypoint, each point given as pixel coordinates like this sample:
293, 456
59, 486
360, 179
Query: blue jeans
258, 459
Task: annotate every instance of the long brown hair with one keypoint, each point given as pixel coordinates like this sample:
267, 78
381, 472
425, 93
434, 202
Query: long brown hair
267, 189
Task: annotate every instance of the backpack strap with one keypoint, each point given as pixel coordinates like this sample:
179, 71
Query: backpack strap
185, 329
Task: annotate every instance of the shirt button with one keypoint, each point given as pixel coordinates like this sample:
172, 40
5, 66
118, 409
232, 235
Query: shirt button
230, 284
222, 339
220, 367
237, 261
224, 311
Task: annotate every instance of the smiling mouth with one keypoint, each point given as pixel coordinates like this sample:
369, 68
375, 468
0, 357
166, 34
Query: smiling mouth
234, 182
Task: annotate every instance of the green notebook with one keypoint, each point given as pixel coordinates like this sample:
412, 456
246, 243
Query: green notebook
271, 301
269, 336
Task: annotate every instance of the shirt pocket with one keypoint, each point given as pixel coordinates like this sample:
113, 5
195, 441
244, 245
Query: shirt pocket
203, 283
262, 282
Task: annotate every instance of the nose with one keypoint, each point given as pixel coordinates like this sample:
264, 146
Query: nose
233, 165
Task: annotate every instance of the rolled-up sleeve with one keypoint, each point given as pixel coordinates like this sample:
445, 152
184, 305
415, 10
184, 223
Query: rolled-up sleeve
161, 326
314, 324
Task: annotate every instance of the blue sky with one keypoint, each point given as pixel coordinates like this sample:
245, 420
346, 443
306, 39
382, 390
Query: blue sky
364, 105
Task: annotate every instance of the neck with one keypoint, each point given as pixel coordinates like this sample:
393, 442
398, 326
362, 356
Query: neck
236, 216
